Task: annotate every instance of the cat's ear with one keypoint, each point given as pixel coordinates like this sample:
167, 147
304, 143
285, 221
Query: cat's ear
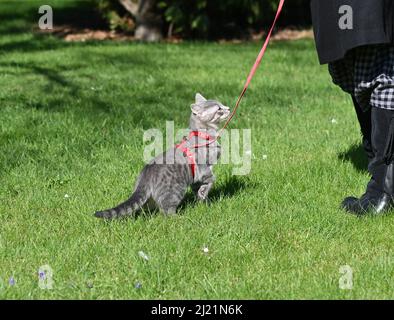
196, 108
200, 98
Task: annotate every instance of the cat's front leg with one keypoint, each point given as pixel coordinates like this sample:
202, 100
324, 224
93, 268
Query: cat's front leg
203, 191
205, 187
204, 182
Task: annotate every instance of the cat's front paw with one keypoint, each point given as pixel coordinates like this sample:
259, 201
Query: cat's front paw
203, 193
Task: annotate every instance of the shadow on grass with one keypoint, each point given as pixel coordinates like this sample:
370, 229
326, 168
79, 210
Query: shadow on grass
22, 18
356, 155
228, 189
78, 14
54, 78
74, 89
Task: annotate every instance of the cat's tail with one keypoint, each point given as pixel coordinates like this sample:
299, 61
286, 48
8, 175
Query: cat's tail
127, 208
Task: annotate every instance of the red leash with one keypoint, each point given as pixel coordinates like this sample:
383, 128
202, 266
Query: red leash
251, 73
186, 151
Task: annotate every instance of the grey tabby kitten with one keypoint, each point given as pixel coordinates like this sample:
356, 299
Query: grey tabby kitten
164, 181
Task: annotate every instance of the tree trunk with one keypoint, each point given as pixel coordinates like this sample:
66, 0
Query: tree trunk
148, 22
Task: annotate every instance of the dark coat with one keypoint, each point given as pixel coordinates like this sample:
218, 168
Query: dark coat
372, 24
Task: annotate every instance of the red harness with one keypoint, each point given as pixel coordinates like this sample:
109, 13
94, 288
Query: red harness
187, 153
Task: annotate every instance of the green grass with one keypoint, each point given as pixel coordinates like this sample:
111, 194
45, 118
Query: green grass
72, 120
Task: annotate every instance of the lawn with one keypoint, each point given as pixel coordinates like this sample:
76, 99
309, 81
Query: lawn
72, 121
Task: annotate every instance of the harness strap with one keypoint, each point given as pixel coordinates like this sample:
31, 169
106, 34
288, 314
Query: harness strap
187, 153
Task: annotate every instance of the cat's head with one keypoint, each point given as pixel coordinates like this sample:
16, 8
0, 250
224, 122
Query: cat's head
209, 113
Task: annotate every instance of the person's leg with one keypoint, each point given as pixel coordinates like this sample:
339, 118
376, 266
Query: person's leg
364, 119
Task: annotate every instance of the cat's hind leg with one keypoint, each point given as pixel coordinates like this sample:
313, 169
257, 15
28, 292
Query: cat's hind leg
170, 211
168, 202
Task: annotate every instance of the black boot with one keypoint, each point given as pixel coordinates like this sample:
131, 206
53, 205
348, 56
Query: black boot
364, 119
377, 197
386, 202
